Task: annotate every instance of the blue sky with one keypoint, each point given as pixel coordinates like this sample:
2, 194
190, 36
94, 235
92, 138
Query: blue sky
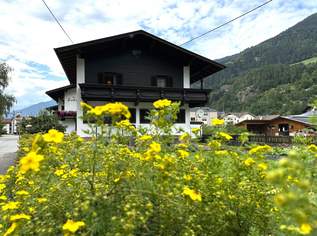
28, 33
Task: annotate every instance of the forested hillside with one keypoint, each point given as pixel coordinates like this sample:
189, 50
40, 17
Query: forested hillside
273, 77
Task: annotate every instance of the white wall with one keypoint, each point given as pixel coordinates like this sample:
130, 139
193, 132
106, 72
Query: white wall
70, 100
80, 75
186, 77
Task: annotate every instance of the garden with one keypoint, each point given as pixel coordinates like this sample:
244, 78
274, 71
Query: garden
135, 181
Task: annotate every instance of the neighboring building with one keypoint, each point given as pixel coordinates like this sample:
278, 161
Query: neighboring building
235, 117
6, 126
11, 125
275, 125
136, 68
202, 115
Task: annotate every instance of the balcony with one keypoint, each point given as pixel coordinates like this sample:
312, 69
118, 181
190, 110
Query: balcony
101, 92
62, 115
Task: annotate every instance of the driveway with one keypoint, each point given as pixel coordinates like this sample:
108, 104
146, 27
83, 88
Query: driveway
8, 148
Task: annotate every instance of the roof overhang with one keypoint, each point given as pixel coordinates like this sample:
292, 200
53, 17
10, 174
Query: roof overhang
59, 92
200, 67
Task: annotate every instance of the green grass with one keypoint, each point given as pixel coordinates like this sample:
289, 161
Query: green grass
307, 61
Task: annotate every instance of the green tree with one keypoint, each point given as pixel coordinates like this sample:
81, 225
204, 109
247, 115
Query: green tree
40, 124
6, 100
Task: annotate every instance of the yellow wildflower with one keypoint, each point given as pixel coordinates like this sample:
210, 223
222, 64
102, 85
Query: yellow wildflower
214, 144
59, 172
195, 130
312, 148
216, 122
305, 229
85, 106
73, 226
2, 187
145, 137
10, 229
260, 149
3, 198
183, 153
22, 192
184, 137
10, 206
30, 162
54, 136
262, 166
222, 153
20, 217
41, 199
187, 177
125, 124
155, 147
249, 161
192, 194
162, 103
225, 135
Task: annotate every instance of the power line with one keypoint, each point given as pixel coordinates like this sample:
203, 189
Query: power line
201, 35
57, 21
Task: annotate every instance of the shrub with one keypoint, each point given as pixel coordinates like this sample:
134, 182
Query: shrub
40, 124
104, 186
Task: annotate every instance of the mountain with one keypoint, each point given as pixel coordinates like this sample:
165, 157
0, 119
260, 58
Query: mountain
33, 110
277, 76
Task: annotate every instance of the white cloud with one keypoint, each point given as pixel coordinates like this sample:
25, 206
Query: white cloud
28, 33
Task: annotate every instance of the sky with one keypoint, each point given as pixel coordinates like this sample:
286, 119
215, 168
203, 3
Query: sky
28, 33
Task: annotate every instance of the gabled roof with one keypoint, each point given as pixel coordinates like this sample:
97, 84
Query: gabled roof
268, 118
201, 67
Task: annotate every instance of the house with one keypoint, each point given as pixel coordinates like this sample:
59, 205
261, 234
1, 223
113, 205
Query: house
202, 115
236, 117
135, 68
275, 125
11, 124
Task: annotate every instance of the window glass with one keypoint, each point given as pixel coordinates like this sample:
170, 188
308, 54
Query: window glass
143, 116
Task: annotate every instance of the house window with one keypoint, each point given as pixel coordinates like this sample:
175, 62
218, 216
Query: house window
144, 113
133, 115
162, 81
181, 116
110, 78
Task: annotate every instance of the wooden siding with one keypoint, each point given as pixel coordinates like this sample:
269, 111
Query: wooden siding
136, 70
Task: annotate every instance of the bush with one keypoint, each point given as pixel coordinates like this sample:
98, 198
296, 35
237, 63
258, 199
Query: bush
103, 186
40, 124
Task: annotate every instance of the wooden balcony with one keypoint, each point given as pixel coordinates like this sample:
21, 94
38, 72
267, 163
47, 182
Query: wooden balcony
100, 92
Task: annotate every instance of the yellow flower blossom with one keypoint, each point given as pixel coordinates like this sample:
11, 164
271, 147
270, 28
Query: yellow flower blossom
155, 147
10, 206
305, 229
86, 106
214, 144
222, 153
11, 229
3, 198
312, 148
262, 166
260, 149
54, 136
187, 177
20, 217
145, 137
22, 192
30, 162
249, 161
184, 137
195, 130
41, 199
215, 122
2, 187
73, 226
182, 153
192, 194
225, 135
162, 103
